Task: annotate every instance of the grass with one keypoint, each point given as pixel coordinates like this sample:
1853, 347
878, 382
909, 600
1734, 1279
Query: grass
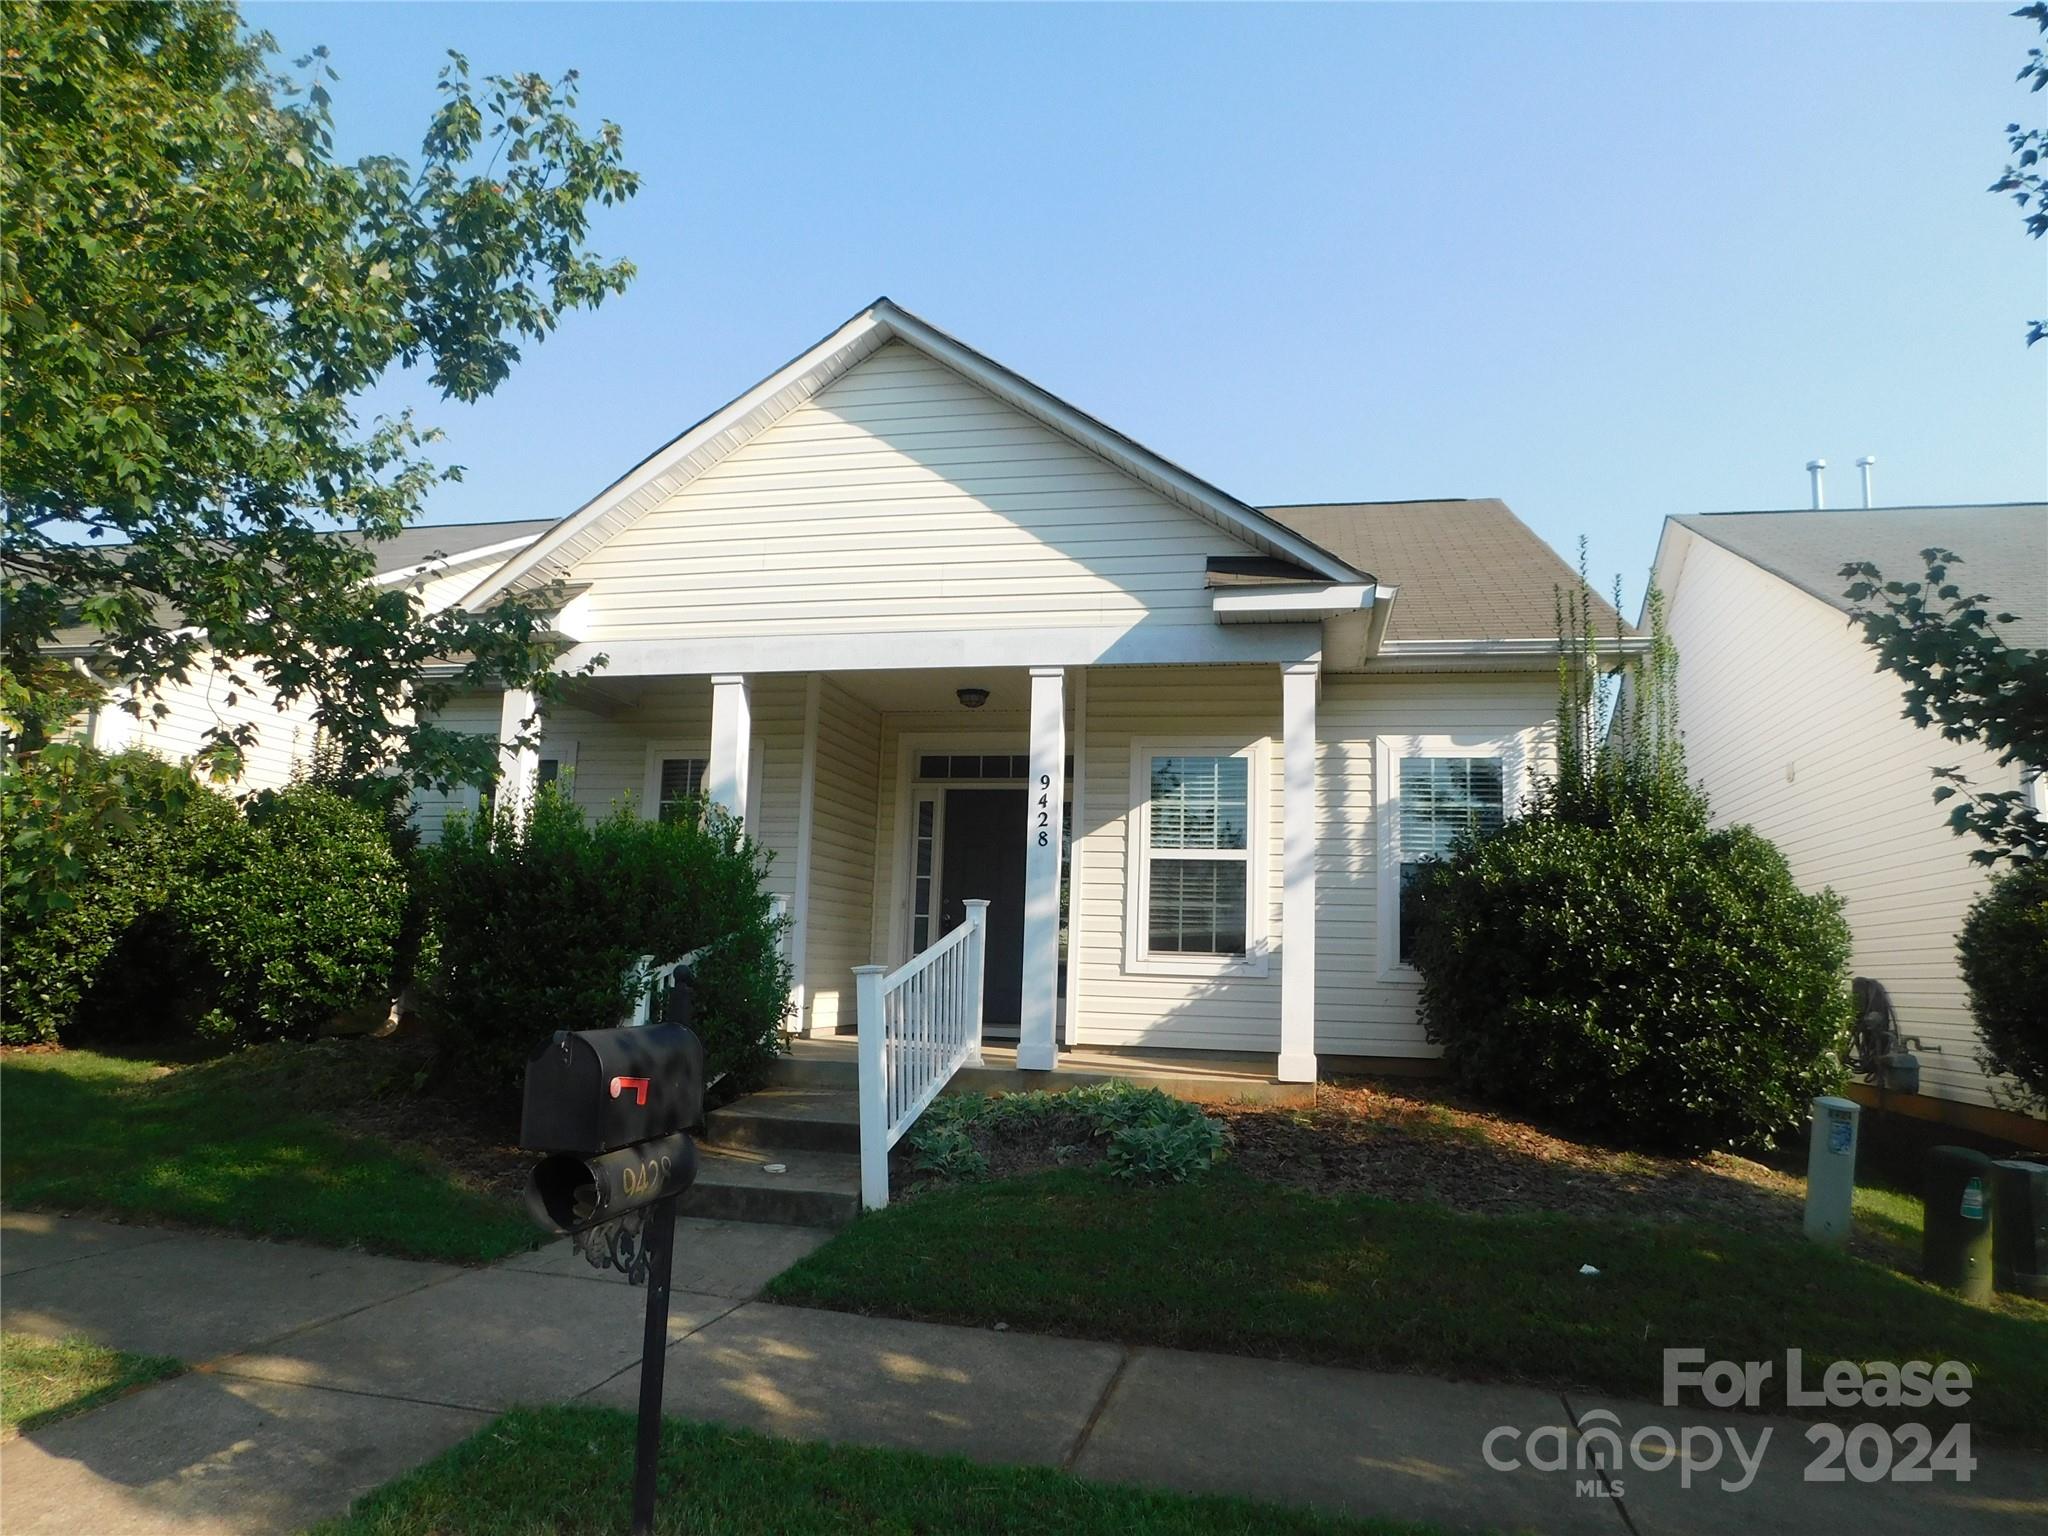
44, 1380
88, 1132
569, 1470
1236, 1264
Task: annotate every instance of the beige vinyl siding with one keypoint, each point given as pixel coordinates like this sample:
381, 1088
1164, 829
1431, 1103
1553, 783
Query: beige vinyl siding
475, 712
205, 701
843, 855
1359, 1012
902, 499
1792, 729
1228, 706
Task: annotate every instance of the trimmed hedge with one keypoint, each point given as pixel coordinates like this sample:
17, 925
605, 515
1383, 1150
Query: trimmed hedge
193, 916
540, 917
2003, 948
1632, 975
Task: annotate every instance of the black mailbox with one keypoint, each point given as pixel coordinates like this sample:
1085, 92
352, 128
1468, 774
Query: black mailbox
596, 1090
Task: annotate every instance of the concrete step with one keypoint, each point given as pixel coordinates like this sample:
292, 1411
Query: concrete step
829, 1066
790, 1119
816, 1189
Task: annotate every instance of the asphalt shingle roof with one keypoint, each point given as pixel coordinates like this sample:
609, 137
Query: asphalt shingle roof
1467, 570
2002, 549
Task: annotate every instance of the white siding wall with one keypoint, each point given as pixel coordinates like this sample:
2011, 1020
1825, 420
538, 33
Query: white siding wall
843, 855
1236, 706
1359, 1012
1792, 729
902, 498
284, 738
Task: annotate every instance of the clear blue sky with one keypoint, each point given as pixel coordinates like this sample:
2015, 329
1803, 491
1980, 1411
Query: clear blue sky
1606, 262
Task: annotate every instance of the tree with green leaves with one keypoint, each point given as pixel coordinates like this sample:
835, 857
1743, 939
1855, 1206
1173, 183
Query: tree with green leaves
1964, 680
2023, 179
194, 296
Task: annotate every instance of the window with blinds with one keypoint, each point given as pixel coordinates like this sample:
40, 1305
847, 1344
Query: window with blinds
1198, 874
1442, 799
682, 784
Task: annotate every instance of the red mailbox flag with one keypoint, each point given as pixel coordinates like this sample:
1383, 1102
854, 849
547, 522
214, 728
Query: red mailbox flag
637, 1084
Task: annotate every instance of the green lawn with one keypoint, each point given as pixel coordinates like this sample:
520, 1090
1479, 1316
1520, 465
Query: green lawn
44, 1380
569, 1471
1234, 1264
87, 1132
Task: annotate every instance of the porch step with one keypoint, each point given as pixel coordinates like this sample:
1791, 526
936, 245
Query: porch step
803, 1118
816, 1189
827, 1066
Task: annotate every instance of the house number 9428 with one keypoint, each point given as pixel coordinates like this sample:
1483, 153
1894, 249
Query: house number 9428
1044, 828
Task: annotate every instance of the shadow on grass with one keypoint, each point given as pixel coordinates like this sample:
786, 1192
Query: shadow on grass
90, 1132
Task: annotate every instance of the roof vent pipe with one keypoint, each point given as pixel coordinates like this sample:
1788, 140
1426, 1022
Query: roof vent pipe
1813, 468
1864, 464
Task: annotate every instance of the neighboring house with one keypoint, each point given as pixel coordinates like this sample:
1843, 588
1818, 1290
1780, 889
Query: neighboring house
1791, 727
441, 563
917, 619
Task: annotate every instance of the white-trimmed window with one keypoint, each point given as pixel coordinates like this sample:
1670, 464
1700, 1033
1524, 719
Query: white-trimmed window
680, 784
676, 775
1197, 886
1432, 791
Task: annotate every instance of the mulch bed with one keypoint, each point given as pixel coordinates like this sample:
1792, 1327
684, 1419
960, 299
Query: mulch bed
1415, 1141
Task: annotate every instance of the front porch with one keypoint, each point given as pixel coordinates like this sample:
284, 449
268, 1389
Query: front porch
889, 799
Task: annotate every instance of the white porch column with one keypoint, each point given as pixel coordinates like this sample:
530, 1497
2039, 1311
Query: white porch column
518, 768
1298, 683
1037, 1050
732, 742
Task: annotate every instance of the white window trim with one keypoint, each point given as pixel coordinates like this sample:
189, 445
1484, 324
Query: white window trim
1508, 743
650, 778
1255, 961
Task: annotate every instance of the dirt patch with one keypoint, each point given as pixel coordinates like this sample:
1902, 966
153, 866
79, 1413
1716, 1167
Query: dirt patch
1413, 1141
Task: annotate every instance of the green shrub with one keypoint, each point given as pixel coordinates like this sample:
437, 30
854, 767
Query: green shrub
1633, 975
301, 916
539, 919
1140, 1133
183, 916
2003, 948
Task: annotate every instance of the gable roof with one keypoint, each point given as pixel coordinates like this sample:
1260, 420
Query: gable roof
2002, 550
445, 545
1466, 569
450, 543
670, 467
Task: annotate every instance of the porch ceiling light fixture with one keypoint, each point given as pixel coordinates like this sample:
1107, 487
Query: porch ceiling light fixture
972, 698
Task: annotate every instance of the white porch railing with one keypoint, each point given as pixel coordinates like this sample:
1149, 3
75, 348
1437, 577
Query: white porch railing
653, 983
919, 1024
652, 986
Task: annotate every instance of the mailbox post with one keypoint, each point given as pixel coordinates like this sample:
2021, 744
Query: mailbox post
611, 1111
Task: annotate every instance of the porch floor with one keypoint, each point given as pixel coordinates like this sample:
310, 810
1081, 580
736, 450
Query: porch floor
1201, 1078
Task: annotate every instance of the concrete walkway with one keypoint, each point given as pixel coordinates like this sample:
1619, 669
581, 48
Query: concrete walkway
321, 1375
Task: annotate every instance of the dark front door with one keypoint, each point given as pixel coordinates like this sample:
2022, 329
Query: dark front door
985, 858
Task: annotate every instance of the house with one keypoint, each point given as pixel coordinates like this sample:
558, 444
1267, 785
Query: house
1790, 727
940, 637
440, 563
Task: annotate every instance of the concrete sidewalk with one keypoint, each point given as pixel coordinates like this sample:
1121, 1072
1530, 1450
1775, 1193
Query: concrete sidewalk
321, 1375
